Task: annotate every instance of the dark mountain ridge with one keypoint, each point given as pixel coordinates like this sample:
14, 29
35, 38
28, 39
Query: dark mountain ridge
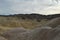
32, 16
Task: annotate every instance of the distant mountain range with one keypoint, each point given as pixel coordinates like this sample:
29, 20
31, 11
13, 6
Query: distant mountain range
32, 16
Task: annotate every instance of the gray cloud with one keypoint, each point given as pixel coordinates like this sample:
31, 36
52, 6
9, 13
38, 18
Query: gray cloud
25, 6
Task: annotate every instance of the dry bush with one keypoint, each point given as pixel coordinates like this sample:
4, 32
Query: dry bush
15, 22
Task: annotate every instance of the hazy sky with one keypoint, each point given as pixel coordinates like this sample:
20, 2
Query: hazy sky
29, 6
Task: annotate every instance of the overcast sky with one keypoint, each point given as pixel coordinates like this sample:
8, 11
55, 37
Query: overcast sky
29, 6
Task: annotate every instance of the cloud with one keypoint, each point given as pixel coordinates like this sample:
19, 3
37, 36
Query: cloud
25, 6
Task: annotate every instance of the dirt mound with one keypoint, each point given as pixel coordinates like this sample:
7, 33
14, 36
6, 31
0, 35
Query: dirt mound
54, 34
2, 38
43, 33
35, 34
54, 22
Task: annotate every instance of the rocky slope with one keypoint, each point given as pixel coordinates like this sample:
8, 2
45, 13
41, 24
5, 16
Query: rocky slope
46, 32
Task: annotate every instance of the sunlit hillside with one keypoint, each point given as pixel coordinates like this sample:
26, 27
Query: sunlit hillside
28, 21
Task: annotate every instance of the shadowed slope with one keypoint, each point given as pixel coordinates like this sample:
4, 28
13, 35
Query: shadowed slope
43, 33
40, 33
2, 38
54, 34
54, 22
35, 34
